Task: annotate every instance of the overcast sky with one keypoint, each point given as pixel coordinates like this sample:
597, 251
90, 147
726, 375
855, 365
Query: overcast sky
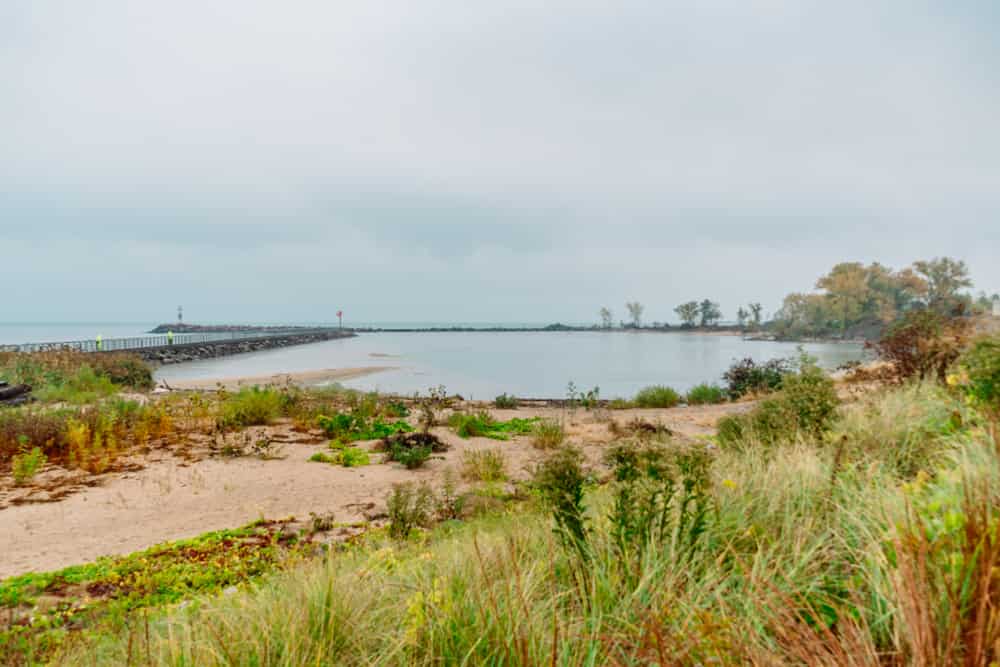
484, 161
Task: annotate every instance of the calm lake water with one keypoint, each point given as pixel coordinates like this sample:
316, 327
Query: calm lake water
483, 365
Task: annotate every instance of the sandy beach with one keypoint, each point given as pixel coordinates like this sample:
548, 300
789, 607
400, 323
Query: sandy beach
171, 497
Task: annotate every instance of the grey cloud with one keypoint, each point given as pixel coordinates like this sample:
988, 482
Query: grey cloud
599, 149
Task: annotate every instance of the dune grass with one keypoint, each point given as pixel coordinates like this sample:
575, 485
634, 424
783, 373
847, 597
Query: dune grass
821, 548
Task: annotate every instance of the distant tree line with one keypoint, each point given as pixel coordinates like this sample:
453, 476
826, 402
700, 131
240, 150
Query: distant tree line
852, 300
858, 300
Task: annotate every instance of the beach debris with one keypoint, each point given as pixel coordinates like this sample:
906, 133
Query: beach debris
14, 394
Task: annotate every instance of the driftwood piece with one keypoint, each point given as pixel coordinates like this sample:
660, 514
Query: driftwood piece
7, 393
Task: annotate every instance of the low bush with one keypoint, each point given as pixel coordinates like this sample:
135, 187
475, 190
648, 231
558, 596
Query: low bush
705, 394
657, 396
807, 405
748, 377
411, 449
923, 343
980, 373
322, 457
505, 402
484, 465
548, 434
354, 457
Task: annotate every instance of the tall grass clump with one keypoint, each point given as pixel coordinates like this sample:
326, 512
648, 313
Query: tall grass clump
252, 406
705, 394
656, 396
548, 434
484, 465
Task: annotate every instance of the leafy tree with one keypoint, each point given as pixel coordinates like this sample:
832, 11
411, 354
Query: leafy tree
756, 312
804, 313
892, 293
710, 312
635, 309
688, 312
741, 316
945, 277
847, 291
606, 317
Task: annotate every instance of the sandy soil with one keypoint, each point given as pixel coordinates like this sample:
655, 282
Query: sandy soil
172, 498
303, 377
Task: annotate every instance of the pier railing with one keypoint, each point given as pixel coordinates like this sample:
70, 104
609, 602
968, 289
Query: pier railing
133, 343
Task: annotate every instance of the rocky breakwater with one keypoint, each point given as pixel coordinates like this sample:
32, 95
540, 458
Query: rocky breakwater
179, 353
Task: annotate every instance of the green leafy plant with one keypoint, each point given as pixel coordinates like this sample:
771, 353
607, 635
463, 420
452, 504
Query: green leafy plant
483, 425
322, 457
354, 457
561, 481
657, 396
351, 427
661, 496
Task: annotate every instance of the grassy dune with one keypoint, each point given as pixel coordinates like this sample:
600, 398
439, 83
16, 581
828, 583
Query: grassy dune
871, 543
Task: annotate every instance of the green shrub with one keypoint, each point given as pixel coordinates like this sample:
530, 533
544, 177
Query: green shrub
548, 434
26, 464
807, 405
411, 457
657, 396
409, 506
980, 372
484, 465
505, 402
354, 457
322, 457
704, 394
812, 397
747, 376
